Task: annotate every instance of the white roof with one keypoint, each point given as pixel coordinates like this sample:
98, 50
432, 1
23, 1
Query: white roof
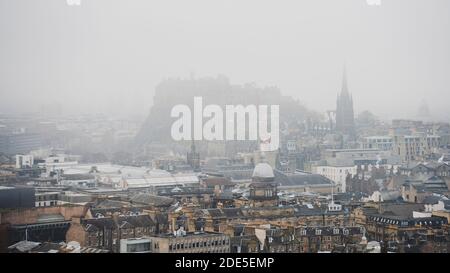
168, 180
263, 170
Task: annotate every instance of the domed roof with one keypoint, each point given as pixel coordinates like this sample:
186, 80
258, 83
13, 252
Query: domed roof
263, 170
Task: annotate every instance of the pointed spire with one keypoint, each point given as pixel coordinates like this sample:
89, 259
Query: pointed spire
344, 82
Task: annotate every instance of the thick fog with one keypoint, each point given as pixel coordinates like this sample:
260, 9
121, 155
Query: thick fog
107, 56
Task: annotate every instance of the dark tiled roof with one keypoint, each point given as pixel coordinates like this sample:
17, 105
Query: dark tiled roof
305, 211
431, 199
233, 212
162, 218
216, 213
99, 223
108, 204
407, 221
136, 221
78, 176
213, 181
447, 204
303, 179
95, 224
153, 200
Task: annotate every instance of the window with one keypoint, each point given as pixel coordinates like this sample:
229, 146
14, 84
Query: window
140, 247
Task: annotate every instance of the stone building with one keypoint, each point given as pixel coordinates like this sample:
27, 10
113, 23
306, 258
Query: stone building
307, 239
106, 232
394, 225
43, 224
263, 189
190, 242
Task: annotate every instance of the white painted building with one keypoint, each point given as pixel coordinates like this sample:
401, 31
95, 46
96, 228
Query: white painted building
337, 174
24, 161
383, 143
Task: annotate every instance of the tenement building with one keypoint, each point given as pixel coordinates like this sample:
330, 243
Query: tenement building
190, 242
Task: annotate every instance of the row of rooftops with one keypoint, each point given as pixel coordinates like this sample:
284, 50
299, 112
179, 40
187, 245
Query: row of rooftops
121, 222
288, 211
315, 231
430, 166
403, 221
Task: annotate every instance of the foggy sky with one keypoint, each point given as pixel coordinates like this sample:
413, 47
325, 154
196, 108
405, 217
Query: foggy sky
107, 56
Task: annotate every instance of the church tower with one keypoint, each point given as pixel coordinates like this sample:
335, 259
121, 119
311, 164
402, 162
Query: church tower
345, 122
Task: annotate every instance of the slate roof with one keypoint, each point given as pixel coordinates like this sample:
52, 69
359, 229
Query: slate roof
136, 221
400, 209
432, 199
447, 204
108, 203
124, 222
407, 221
98, 224
78, 176
162, 218
305, 211
213, 181
301, 179
233, 212
153, 200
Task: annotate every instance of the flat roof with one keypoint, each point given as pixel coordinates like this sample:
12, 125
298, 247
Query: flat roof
204, 233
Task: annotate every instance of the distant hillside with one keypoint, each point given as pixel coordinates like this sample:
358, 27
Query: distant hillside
214, 91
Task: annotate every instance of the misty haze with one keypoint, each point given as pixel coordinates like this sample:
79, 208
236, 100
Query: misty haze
213, 126
107, 56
